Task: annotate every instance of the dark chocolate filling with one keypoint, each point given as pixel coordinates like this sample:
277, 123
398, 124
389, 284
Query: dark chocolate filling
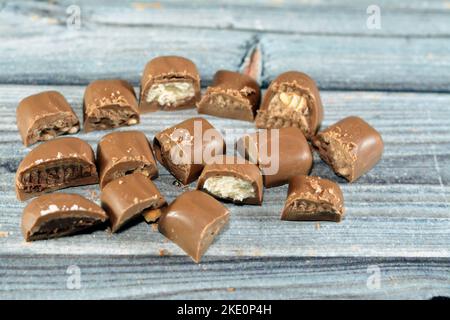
63, 226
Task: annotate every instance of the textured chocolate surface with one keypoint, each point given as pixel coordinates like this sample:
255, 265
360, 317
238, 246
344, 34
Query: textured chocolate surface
232, 95
169, 70
122, 153
351, 147
126, 198
58, 215
176, 148
292, 100
294, 154
313, 199
44, 116
192, 221
109, 104
56, 164
233, 179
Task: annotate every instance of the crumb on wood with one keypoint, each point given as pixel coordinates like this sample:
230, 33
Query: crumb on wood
154, 227
163, 252
141, 6
231, 289
317, 226
4, 234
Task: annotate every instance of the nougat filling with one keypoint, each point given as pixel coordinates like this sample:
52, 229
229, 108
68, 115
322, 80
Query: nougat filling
171, 93
56, 128
227, 187
112, 118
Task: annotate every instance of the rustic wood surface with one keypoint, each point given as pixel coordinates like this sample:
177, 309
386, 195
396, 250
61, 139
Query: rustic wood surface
397, 78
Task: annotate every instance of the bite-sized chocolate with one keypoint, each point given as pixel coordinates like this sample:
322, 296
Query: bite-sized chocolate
54, 165
192, 221
122, 153
185, 148
313, 199
351, 147
44, 116
126, 198
109, 104
169, 83
292, 100
279, 153
232, 179
232, 95
59, 214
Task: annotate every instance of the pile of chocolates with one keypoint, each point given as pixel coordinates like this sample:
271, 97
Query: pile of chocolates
124, 163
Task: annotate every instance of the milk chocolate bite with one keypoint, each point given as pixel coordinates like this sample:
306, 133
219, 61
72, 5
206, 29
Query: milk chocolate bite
279, 153
232, 179
54, 165
351, 147
109, 104
169, 83
192, 221
59, 214
313, 199
292, 100
126, 198
44, 116
232, 95
122, 153
185, 148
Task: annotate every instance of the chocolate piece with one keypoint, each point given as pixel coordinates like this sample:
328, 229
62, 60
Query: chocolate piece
192, 221
292, 100
54, 165
351, 147
185, 148
126, 198
122, 153
44, 116
59, 214
232, 179
232, 95
313, 199
279, 153
109, 104
169, 83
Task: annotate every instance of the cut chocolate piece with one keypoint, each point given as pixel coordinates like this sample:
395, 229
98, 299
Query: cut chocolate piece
122, 153
351, 147
60, 214
292, 100
54, 165
279, 153
192, 221
232, 95
232, 179
313, 199
169, 83
126, 198
109, 104
185, 148
44, 116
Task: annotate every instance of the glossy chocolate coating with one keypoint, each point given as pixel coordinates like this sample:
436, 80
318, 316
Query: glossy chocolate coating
294, 154
109, 104
232, 95
313, 199
59, 214
122, 153
56, 164
126, 198
183, 137
292, 82
236, 168
192, 221
44, 116
351, 147
168, 69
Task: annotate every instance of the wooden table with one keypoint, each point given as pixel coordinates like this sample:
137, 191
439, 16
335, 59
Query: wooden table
397, 225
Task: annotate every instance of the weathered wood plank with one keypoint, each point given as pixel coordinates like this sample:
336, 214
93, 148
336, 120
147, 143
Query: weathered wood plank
401, 208
138, 277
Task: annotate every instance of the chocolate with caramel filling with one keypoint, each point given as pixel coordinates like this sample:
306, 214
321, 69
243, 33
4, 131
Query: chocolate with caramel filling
54, 165
313, 199
58, 215
351, 147
292, 100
